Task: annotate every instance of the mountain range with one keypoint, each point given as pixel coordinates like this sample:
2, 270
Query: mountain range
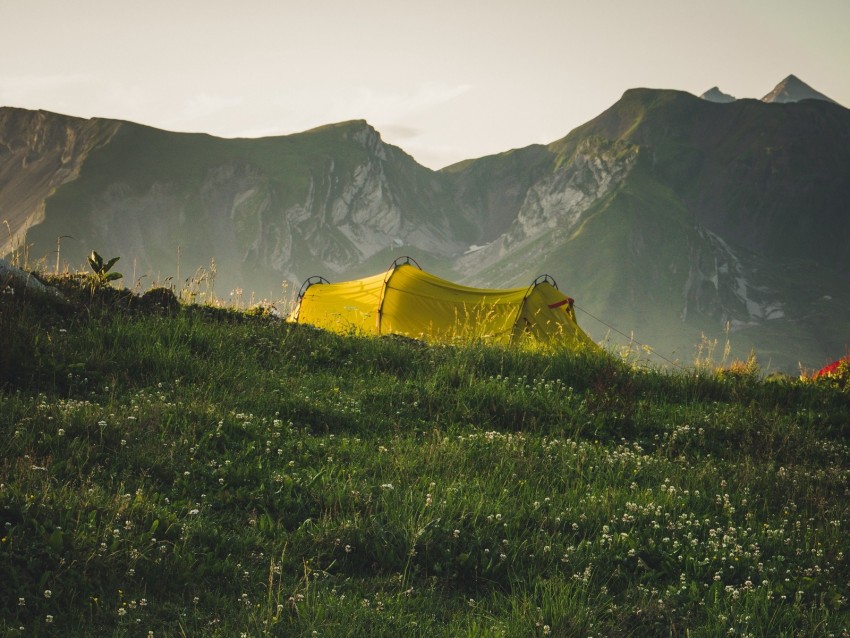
791, 89
672, 220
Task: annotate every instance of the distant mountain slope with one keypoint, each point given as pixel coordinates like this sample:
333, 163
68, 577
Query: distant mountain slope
674, 217
266, 210
668, 217
714, 94
769, 178
39, 152
791, 89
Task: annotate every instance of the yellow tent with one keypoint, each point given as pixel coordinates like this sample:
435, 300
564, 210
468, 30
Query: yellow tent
408, 301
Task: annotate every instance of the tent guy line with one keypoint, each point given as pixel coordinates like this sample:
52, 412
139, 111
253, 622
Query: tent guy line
631, 338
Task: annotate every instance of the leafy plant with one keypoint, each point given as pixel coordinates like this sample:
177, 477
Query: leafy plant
102, 275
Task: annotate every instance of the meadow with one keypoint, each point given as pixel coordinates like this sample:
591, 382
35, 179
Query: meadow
188, 470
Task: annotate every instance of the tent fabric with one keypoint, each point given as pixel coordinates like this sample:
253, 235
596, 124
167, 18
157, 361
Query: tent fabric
411, 302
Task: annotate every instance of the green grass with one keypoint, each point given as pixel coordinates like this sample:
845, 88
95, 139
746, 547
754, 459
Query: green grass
212, 472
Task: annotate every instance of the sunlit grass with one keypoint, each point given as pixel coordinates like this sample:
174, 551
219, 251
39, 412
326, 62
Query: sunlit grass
209, 472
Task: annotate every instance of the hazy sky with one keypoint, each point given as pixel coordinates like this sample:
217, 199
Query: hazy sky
443, 79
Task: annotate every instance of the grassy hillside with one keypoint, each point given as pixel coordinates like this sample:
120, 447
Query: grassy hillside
189, 470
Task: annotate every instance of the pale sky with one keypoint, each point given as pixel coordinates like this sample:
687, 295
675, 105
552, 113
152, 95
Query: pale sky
445, 80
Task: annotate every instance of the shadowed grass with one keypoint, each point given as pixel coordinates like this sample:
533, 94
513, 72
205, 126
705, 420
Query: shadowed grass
210, 472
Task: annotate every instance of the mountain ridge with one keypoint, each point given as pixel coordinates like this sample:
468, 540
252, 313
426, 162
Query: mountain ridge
669, 215
790, 89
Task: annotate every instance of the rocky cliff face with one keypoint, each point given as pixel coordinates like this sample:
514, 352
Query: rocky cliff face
725, 283
326, 200
670, 206
40, 151
766, 177
352, 213
556, 203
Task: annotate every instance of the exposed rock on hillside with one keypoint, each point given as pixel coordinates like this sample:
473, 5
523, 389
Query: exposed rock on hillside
40, 151
556, 202
265, 210
10, 274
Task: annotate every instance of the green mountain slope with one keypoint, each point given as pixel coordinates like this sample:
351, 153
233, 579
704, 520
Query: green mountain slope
670, 218
773, 178
667, 218
266, 211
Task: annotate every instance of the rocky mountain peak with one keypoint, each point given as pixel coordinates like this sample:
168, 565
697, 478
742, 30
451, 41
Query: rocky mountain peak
370, 138
714, 94
793, 89
358, 131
